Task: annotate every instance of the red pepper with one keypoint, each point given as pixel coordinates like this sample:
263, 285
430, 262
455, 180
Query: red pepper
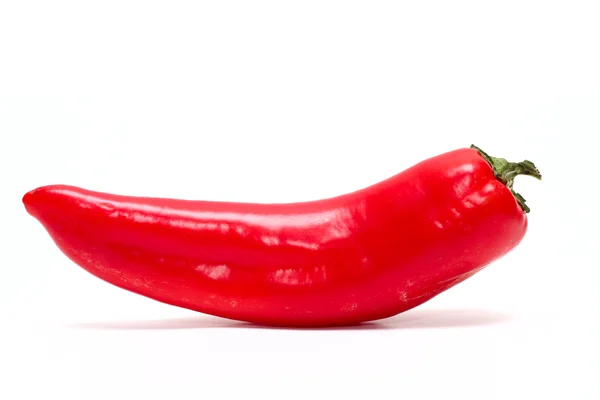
361, 256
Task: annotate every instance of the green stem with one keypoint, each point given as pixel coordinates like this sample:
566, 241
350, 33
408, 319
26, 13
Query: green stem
506, 172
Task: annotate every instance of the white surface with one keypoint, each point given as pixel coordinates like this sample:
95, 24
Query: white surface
288, 101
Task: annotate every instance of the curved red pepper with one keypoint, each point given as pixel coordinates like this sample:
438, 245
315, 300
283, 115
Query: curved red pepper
361, 256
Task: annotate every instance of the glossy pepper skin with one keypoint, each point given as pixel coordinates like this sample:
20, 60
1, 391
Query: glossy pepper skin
361, 256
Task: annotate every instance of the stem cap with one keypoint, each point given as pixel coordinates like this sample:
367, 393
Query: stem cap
506, 172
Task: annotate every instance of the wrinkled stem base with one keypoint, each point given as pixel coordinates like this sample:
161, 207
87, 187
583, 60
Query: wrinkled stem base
507, 171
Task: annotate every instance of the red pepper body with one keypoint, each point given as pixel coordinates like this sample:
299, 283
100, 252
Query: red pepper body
361, 256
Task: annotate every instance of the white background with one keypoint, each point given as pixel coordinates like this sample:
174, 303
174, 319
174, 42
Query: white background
285, 101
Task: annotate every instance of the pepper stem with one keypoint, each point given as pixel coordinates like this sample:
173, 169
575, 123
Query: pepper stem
506, 172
